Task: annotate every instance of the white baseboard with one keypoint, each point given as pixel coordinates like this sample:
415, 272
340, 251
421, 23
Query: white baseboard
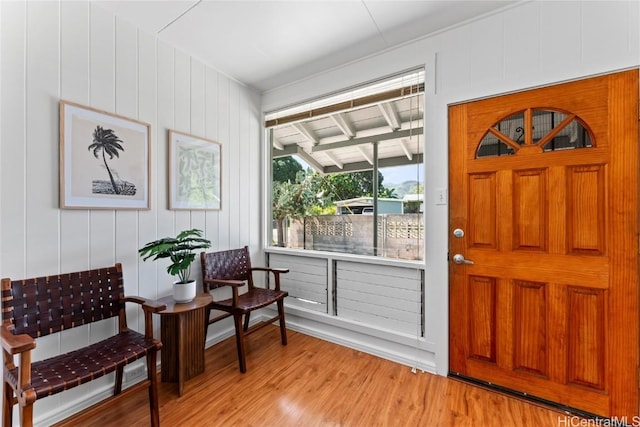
400, 348
67, 408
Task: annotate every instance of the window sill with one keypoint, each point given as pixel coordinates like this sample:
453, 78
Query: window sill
364, 259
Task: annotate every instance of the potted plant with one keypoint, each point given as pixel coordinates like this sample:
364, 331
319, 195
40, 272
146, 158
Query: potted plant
180, 250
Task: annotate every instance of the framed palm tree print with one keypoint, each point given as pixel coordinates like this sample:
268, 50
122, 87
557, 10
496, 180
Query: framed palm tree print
194, 172
104, 160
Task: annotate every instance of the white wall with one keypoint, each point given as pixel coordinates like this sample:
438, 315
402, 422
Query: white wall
75, 51
531, 44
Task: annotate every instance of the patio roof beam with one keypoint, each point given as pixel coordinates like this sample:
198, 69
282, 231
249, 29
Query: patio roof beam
335, 160
366, 155
345, 127
310, 160
367, 139
390, 115
382, 163
405, 148
304, 131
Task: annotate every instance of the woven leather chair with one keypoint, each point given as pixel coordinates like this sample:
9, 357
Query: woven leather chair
233, 268
33, 308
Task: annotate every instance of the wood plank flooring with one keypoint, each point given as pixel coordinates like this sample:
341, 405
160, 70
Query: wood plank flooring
310, 383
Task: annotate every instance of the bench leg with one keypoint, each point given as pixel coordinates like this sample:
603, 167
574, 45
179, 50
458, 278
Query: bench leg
118, 384
7, 406
152, 376
26, 415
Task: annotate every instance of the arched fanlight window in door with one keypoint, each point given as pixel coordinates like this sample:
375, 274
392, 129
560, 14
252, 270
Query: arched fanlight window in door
533, 131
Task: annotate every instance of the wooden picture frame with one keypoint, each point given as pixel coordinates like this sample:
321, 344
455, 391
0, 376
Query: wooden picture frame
194, 172
105, 160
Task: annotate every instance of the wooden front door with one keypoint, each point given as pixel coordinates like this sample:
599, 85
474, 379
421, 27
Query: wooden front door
544, 199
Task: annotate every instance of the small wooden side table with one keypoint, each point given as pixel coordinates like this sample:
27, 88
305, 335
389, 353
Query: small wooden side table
182, 333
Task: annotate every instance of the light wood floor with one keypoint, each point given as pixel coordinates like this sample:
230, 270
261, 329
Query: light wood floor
311, 383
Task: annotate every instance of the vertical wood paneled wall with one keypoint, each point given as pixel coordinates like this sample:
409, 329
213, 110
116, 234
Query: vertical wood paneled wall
76, 51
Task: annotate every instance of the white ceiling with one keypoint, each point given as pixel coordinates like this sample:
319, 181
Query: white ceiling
266, 44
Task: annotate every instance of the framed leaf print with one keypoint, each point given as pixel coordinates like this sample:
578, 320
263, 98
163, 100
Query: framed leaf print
104, 160
194, 172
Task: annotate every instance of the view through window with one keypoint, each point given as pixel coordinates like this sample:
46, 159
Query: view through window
347, 171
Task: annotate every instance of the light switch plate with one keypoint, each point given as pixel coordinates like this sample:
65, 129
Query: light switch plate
441, 196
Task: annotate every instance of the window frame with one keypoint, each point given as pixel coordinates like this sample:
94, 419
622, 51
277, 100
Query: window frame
415, 91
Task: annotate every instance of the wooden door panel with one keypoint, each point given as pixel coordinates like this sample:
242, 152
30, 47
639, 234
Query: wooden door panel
482, 318
482, 199
530, 209
549, 306
530, 329
585, 193
586, 343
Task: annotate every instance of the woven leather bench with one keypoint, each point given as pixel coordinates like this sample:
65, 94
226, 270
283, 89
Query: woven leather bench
33, 308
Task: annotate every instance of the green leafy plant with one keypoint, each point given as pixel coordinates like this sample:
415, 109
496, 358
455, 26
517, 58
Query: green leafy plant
179, 249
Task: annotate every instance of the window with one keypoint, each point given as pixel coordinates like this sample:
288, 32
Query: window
347, 171
549, 130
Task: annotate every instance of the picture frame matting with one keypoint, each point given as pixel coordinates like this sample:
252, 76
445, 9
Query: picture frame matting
194, 172
105, 159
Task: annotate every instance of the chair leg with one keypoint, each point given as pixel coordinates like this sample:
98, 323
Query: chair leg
240, 342
118, 384
246, 321
7, 406
283, 328
206, 322
152, 376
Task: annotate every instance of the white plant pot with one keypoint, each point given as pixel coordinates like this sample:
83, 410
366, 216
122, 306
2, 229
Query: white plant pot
184, 292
